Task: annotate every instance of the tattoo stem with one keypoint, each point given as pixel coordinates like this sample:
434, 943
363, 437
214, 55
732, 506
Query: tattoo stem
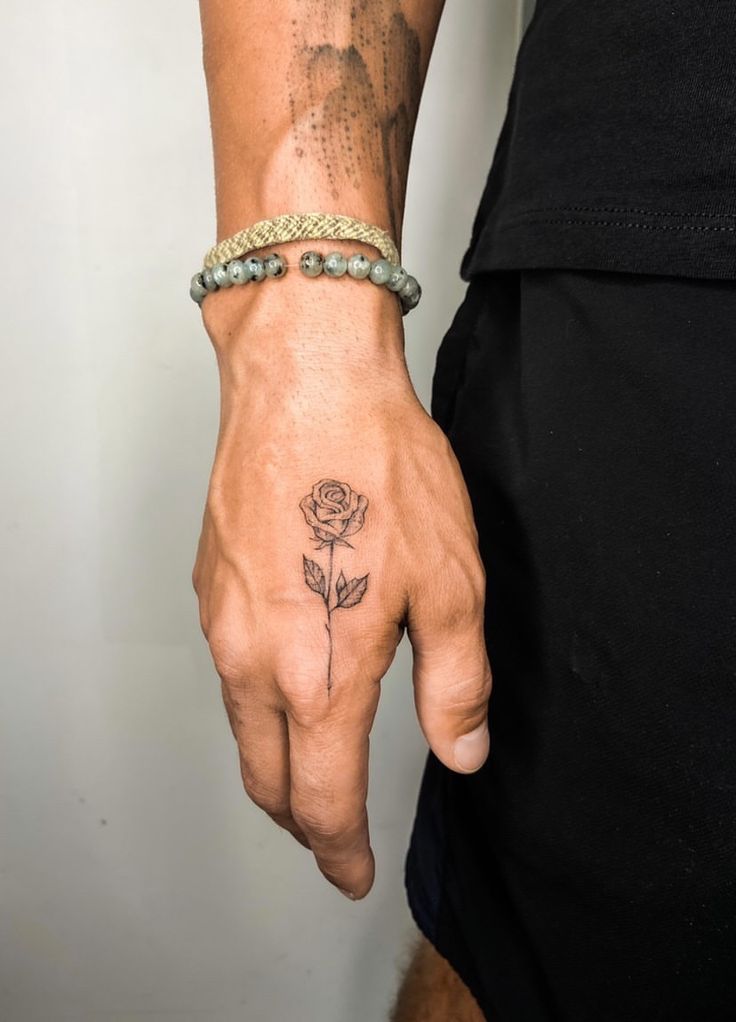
329, 617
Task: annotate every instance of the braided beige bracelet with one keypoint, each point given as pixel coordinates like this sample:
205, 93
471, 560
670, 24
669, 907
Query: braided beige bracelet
301, 227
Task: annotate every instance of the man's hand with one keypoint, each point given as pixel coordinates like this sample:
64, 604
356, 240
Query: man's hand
304, 592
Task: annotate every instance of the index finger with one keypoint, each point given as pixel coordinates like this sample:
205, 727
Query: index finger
329, 786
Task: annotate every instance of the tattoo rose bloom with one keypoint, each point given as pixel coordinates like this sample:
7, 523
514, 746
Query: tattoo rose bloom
333, 511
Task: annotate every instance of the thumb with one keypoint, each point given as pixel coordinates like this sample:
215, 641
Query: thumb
452, 684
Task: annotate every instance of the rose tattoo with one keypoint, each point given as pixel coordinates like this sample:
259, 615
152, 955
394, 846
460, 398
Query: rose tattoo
333, 511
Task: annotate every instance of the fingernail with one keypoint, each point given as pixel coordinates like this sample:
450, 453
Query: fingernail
471, 749
347, 894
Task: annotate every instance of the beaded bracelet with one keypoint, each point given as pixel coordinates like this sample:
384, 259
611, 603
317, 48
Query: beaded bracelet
312, 264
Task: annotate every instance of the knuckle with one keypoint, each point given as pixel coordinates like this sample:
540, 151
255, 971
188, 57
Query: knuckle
265, 796
473, 604
202, 601
458, 686
477, 581
460, 601
486, 686
474, 588
467, 697
305, 699
315, 823
325, 827
229, 653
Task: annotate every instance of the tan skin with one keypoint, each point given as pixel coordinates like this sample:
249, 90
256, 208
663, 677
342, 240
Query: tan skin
314, 385
433, 992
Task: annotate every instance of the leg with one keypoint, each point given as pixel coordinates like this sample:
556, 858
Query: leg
587, 871
433, 992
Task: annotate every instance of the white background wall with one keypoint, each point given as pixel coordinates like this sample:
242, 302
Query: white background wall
137, 882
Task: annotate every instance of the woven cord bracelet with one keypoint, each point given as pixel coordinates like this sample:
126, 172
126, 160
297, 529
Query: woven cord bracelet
301, 227
225, 264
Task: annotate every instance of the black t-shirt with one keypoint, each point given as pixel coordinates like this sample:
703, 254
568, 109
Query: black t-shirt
618, 151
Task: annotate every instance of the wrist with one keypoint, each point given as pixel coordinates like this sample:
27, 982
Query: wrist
325, 360
286, 314
300, 385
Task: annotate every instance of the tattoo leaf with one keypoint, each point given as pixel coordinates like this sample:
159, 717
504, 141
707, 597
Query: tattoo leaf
314, 577
340, 584
352, 592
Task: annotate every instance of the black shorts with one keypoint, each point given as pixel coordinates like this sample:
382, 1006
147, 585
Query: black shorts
588, 872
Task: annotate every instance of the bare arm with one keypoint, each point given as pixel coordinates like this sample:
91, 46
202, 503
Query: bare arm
313, 104
337, 515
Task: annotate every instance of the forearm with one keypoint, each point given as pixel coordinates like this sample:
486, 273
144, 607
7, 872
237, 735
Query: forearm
313, 105
325, 457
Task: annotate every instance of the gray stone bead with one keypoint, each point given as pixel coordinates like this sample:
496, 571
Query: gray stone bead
311, 264
219, 272
413, 300
359, 266
236, 271
335, 264
398, 278
254, 268
209, 280
274, 266
381, 270
410, 287
197, 290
